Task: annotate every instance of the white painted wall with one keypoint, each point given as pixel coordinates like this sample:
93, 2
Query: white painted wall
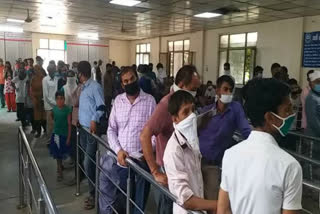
119, 51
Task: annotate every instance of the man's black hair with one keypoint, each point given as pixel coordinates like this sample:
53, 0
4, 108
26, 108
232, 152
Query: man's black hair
95, 63
59, 93
227, 64
159, 65
209, 82
84, 68
308, 74
262, 96
257, 69
223, 79
293, 82
127, 69
185, 74
275, 65
177, 100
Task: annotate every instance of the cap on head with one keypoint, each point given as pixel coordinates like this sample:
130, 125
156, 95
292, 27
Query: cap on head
314, 76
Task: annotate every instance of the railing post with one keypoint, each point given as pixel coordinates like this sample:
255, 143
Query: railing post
77, 164
128, 191
21, 167
97, 181
42, 204
29, 169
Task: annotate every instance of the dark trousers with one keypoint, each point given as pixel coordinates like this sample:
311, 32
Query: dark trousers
40, 123
21, 113
29, 117
3, 103
89, 145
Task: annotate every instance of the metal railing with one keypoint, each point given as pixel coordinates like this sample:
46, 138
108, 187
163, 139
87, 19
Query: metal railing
30, 174
132, 167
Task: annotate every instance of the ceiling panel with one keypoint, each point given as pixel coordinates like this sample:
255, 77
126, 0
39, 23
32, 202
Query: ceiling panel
149, 18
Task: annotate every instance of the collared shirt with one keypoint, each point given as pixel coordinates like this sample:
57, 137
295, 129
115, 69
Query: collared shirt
260, 177
161, 126
90, 99
127, 120
313, 114
49, 87
216, 136
183, 168
20, 89
304, 94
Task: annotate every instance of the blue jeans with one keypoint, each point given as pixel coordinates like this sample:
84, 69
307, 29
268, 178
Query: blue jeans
89, 145
112, 196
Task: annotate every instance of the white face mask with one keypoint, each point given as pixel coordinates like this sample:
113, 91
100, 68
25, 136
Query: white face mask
188, 128
160, 70
226, 98
72, 80
177, 88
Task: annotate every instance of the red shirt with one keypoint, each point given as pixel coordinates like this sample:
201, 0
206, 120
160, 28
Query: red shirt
161, 126
1, 75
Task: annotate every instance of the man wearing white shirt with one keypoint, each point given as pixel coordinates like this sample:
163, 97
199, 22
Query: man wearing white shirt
257, 175
94, 70
49, 87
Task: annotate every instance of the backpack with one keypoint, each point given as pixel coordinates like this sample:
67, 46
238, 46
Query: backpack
102, 125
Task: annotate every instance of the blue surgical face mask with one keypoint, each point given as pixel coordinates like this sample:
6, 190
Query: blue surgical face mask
317, 88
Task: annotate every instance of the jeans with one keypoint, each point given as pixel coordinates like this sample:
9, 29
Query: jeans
112, 196
2, 95
21, 113
164, 203
89, 145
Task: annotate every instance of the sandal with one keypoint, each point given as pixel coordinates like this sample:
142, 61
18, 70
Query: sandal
87, 199
89, 205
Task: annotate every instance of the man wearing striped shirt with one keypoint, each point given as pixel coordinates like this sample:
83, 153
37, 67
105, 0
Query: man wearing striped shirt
130, 112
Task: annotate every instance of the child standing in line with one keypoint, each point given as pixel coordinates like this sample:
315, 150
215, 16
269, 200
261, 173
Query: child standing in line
9, 88
60, 139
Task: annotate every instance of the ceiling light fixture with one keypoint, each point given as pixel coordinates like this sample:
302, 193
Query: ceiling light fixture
207, 15
89, 36
129, 3
6, 28
15, 20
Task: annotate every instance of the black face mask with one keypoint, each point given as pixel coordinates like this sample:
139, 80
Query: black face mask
132, 88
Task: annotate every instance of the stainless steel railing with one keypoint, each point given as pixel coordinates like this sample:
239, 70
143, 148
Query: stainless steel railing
30, 174
132, 166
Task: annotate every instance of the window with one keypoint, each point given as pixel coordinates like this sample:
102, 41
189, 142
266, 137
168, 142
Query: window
240, 51
51, 49
142, 54
179, 55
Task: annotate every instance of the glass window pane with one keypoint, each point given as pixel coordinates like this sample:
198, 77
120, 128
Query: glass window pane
146, 59
56, 55
252, 39
186, 45
56, 44
186, 60
44, 43
236, 60
237, 40
148, 48
137, 60
250, 58
178, 62
141, 59
138, 49
171, 63
143, 48
224, 41
178, 45
170, 46
222, 60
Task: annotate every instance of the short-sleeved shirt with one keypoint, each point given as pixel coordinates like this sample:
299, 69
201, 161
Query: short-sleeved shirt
161, 126
260, 177
60, 117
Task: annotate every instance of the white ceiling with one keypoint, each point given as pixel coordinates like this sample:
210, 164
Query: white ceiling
149, 18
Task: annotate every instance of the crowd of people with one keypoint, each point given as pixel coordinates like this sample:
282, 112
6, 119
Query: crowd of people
178, 130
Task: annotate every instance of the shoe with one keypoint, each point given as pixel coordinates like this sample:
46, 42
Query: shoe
33, 132
3, 106
9, 111
18, 120
37, 135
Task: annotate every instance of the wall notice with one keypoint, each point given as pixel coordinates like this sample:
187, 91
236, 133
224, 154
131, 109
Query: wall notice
311, 50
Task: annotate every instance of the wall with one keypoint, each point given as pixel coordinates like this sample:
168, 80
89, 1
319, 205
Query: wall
119, 51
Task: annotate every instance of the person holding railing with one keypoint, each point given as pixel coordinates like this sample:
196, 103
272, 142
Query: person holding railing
217, 125
91, 105
182, 157
130, 112
160, 125
257, 175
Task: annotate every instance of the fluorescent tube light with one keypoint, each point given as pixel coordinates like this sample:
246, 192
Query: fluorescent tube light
15, 20
5, 28
207, 15
129, 3
89, 36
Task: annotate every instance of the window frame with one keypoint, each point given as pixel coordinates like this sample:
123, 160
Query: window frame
173, 51
245, 49
138, 53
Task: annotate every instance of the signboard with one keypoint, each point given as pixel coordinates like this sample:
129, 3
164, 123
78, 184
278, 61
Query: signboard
311, 50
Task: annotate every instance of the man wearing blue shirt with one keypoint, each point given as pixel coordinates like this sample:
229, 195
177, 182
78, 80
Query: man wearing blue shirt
91, 105
216, 129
